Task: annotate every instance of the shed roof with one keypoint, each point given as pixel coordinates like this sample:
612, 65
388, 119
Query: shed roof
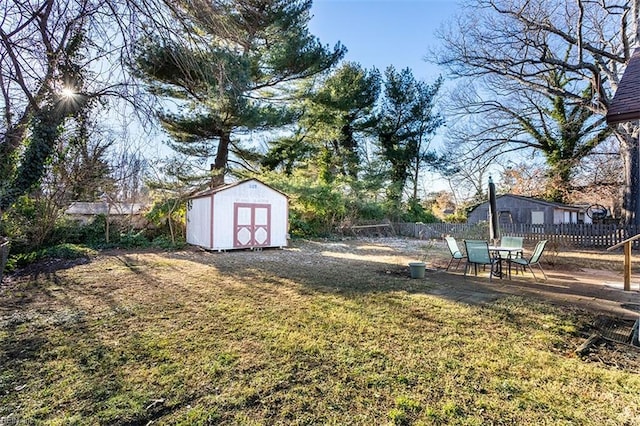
544, 202
88, 208
232, 185
535, 200
625, 105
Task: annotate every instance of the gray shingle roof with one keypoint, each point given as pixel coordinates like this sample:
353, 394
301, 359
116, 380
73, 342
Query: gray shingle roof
625, 105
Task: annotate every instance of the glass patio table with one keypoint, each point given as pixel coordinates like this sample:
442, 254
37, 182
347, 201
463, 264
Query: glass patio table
503, 254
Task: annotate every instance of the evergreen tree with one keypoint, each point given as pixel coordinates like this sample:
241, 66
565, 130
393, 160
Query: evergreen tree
230, 74
407, 121
334, 121
340, 115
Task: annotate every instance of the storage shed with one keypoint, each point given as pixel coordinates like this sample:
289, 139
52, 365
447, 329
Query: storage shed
518, 209
245, 214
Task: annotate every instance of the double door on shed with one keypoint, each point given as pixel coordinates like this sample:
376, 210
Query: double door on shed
251, 225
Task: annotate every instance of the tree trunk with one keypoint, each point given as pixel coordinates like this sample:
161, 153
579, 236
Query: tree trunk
171, 232
631, 158
12, 140
219, 168
635, 22
106, 223
558, 184
416, 175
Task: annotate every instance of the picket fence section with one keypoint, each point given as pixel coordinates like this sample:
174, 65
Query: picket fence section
569, 235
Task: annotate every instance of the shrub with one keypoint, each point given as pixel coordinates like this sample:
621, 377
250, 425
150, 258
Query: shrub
369, 210
68, 251
416, 212
132, 239
164, 242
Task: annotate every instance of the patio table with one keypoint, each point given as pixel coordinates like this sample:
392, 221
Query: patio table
508, 252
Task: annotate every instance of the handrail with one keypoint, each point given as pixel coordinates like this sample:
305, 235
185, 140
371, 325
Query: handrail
627, 259
628, 240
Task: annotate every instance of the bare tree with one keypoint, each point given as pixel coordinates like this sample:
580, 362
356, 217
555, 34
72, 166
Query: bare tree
59, 58
522, 179
36, 84
600, 177
521, 40
512, 119
471, 163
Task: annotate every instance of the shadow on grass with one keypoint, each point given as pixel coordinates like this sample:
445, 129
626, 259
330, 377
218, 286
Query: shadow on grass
98, 367
366, 268
42, 323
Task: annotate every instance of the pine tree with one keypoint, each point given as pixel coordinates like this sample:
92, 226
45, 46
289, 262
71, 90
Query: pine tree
230, 74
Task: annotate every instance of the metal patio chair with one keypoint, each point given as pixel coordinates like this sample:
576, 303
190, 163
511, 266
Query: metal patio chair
456, 254
511, 242
534, 260
478, 254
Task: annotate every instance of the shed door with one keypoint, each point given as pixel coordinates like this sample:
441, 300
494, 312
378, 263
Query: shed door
505, 218
252, 225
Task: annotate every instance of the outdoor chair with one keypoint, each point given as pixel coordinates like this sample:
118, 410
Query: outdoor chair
511, 242
456, 254
478, 254
534, 260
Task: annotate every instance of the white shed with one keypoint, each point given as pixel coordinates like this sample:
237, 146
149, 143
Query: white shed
245, 214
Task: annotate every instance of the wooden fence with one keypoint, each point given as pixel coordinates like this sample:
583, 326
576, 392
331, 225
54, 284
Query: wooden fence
570, 235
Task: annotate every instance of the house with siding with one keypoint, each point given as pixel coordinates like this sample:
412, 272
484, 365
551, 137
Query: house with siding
517, 209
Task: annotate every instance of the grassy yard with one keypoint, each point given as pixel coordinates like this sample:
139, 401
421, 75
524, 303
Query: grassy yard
314, 334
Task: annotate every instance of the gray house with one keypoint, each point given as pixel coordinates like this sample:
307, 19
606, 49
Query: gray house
518, 209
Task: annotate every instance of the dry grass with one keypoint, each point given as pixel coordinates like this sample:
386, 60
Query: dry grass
320, 333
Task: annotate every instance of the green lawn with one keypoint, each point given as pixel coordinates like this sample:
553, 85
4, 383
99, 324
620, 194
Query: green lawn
289, 337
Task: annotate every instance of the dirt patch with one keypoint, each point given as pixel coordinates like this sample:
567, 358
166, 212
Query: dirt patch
47, 266
615, 355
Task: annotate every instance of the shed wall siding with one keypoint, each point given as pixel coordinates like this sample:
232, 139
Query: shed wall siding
558, 216
251, 192
537, 217
199, 222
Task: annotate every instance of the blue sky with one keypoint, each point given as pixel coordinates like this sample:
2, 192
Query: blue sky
383, 32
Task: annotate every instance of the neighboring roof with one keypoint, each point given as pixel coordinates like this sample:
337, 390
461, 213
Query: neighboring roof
232, 185
86, 208
545, 202
625, 105
535, 200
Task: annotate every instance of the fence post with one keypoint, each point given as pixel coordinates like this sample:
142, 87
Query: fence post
4, 254
627, 266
